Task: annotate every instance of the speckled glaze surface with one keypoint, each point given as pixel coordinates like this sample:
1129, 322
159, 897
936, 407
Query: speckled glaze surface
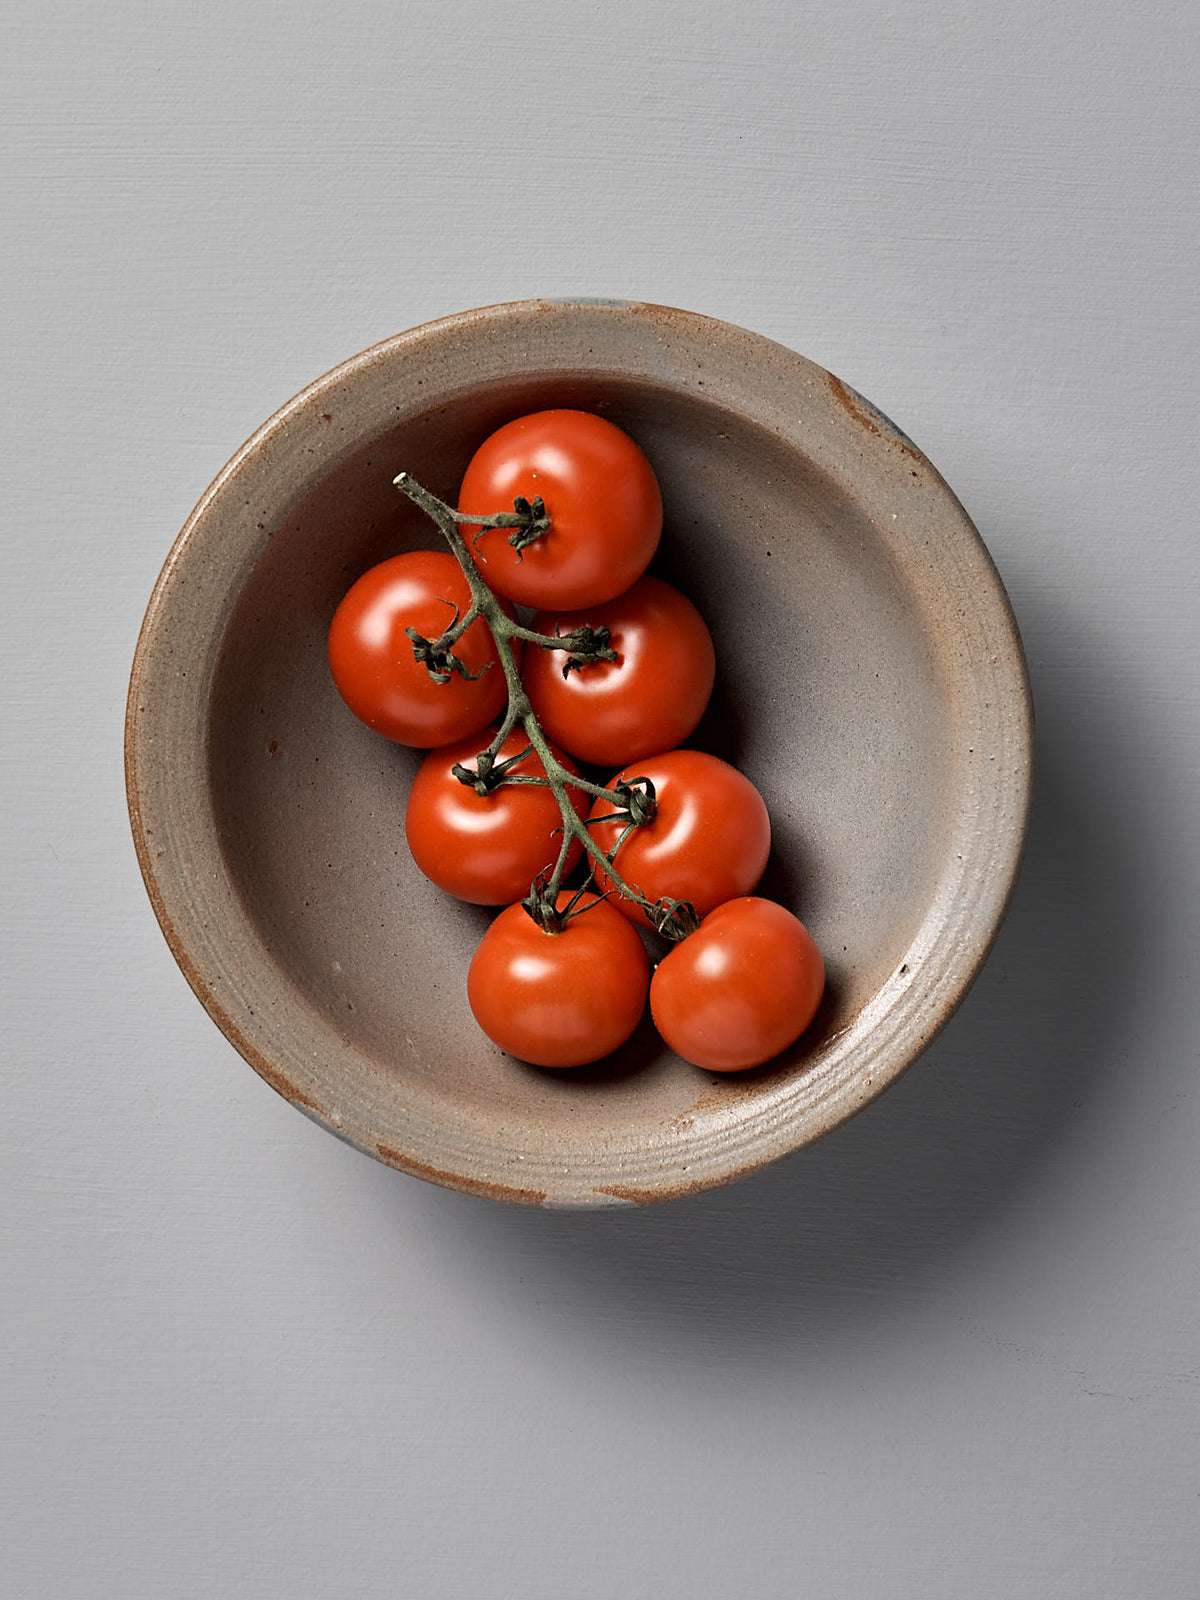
870, 682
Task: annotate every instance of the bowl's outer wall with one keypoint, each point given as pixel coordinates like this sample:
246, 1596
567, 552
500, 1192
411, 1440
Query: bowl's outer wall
871, 682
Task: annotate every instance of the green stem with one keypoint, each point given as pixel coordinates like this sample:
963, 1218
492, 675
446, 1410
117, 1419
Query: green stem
504, 630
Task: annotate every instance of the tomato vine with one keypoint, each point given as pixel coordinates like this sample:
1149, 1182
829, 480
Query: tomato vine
634, 799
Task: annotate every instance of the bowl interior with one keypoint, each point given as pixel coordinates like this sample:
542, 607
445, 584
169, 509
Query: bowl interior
870, 682
831, 696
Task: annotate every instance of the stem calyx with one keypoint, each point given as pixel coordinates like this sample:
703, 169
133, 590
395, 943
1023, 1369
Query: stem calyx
637, 797
584, 648
674, 919
437, 655
533, 524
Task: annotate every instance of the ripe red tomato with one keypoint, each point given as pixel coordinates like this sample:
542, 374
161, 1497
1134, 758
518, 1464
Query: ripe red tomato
740, 989
486, 848
708, 841
559, 999
648, 700
372, 659
600, 494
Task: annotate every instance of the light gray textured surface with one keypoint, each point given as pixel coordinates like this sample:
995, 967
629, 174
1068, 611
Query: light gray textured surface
954, 1349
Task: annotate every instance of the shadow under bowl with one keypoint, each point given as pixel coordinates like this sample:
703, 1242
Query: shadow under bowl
870, 682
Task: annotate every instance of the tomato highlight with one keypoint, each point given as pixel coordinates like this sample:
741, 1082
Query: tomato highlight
740, 989
708, 841
600, 495
375, 665
649, 700
487, 849
559, 999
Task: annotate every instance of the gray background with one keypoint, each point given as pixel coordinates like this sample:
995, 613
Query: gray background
953, 1350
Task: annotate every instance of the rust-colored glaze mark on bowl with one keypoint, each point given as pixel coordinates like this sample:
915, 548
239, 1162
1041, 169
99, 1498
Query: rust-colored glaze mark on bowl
894, 748
452, 1180
633, 1196
870, 416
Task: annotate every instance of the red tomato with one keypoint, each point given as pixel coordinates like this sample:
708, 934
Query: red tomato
372, 659
486, 848
559, 999
649, 699
740, 989
600, 494
708, 842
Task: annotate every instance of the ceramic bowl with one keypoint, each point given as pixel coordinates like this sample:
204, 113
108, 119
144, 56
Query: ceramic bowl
870, 682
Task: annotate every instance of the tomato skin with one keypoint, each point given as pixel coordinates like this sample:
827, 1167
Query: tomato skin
559, 999
486, 849
708, 842
648, 700
740, 989
601, 496
372, 659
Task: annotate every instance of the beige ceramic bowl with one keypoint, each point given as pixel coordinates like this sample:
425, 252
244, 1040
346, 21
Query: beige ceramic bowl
870, 682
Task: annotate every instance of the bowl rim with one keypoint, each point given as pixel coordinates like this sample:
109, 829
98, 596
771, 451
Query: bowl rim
855, 416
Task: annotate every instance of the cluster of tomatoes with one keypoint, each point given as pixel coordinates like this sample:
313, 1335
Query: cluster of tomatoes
613, 671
